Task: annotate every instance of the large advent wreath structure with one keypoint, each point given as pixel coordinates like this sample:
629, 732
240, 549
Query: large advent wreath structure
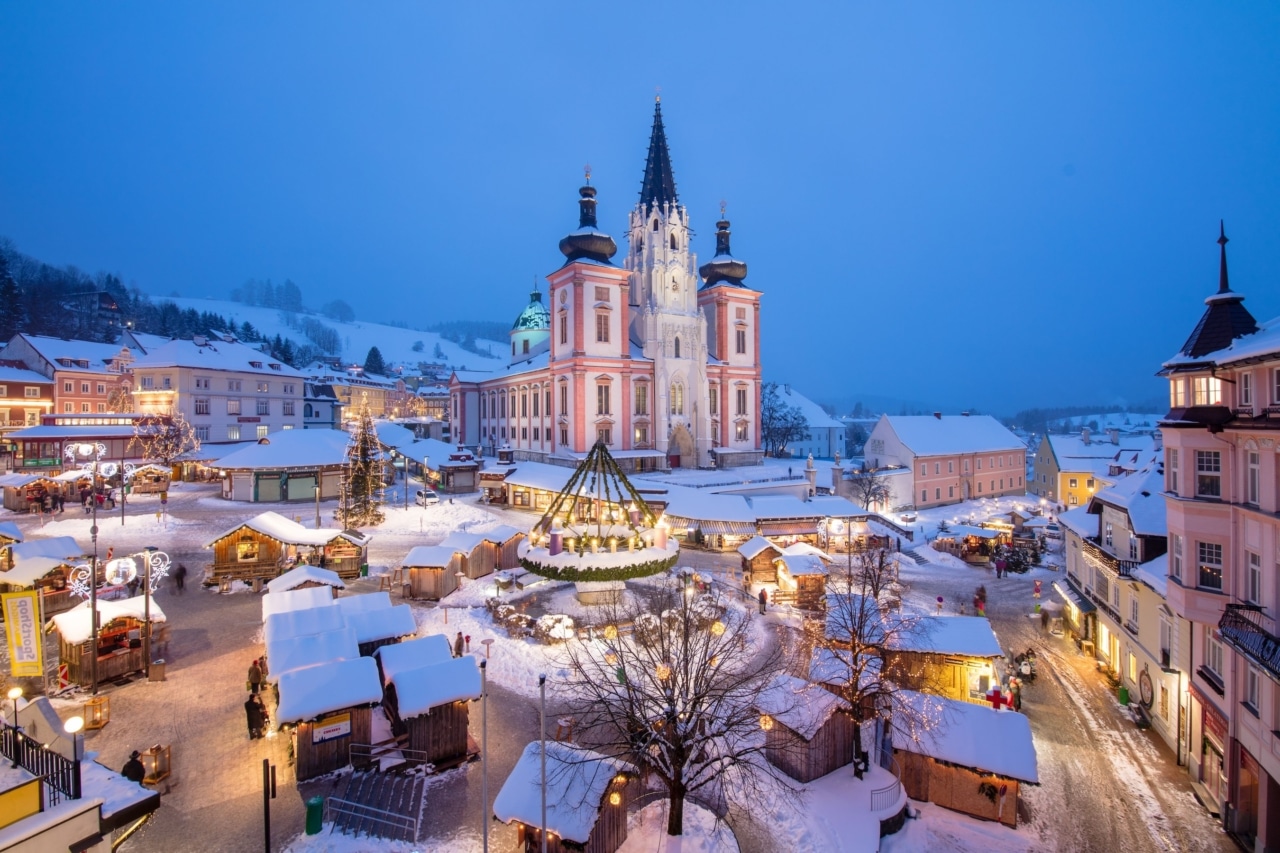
599, 528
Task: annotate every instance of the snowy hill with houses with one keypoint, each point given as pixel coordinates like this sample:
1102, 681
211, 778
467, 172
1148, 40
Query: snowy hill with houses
395, 343
1125, 422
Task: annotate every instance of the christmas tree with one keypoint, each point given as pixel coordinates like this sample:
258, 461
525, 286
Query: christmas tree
361, 500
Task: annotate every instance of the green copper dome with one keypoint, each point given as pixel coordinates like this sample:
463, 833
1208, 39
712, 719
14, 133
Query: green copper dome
535, 316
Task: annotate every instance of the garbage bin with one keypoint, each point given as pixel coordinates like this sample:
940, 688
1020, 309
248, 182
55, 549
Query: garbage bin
364, 570
157, 670
1123, 693
315, 815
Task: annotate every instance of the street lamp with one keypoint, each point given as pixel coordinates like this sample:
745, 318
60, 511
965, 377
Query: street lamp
96, 451
15, 693
124, 569
73, 727
317, 500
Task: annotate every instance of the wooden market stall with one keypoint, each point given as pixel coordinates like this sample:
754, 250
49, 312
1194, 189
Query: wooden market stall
802, 580
119, 650
758, 555
375, 621
971, 544
432, 572
307, 576
808, 731
150, 479
431, 705
504, 543
976, 764
26, 492
48, 575
475, 560
328, 708
952, 656
587, 798
268, 544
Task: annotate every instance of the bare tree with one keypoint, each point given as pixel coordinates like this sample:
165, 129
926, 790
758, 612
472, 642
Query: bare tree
780, 422
163, 437
871, 489
677, 696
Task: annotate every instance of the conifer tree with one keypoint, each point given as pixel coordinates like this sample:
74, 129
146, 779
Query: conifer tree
11, 313
360, 504
373, 362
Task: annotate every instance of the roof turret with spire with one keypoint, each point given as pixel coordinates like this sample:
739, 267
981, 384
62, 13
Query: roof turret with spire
724, 268
1225, 319
588, 243
659, 186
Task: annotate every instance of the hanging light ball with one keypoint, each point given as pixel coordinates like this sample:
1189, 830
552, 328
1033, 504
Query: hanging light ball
717, 628
663, 671
766, 722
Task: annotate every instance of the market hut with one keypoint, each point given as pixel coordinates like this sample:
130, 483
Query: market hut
802, 579
953, 656
587, 797
296, 599
25, 492
411, 654
375, 620
808, 731
306, 576
119, 650
150, 479
430, 703
9, 535
504, 543
328, 707
758, 555
260, 548
974, 763
291, 653
475, 560
432, 571
48, 575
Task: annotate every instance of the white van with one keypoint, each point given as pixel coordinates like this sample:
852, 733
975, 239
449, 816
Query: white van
426, 497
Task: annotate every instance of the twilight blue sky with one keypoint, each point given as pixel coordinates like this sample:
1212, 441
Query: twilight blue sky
992, 205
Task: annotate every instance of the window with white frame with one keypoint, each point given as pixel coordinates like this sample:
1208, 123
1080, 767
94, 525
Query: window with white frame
147, 382
233, 432
1206, 391
66, 387
937, 468
262, 430
1253, 477
202, 405
233, 407
564, 436
264, 407
1133, 547
1175, 556
742, 401
202, 432
741, 347
564, 328
1246, 389
1209, 565
1107, 534
287, 408
1252, 688
1212, 651
233, 384
202, 383
1172, 468
604, 435
1253, 583
602, 399
564, 398
1073, 483
602, 328
740, 431
1177, 393
1208, 473
1133, 609
924, 469
677, 399
1275, 386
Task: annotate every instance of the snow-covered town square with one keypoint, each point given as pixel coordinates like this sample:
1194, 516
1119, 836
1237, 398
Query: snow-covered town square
686, 428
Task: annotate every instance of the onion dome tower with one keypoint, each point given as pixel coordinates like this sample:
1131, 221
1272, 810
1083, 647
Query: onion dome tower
588, 243
724, 267
1225, 319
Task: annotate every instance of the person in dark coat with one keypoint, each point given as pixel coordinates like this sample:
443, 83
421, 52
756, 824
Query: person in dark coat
764, 600
457, 645
255, 716
180, 577
133, 769
255, 678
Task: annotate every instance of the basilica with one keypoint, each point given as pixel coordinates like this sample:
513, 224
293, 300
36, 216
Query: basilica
656, 357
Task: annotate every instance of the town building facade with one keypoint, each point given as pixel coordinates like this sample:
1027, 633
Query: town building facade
1068, 469
657, 358
88, 377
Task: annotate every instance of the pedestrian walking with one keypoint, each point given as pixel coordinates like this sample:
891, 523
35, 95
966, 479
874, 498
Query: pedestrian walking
255, 716
61, 500
262, 665
133, 769
457, 645
180, 577
899, 538
764, 600
254, 682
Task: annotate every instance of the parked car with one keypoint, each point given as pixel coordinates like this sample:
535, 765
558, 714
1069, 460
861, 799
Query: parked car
426, 497
1052, 531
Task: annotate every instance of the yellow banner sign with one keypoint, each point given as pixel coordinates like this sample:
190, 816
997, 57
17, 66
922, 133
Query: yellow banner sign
22, 629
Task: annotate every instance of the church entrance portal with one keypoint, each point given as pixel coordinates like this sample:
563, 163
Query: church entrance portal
680, 450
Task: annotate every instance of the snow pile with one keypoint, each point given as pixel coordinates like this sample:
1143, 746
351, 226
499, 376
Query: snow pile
577, 779
703, 833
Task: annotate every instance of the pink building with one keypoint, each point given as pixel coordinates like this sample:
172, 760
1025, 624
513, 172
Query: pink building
1223, 500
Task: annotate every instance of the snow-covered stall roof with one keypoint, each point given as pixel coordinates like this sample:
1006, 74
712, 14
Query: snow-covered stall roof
805, 549
57, 547
288, 600
298, 652
462, 542
834, 506
9, 530
290, 532
784, 507
291, 448
501, 534
969, 735
577, 779
31, 570
803, 564
428, 556
834, 666
299, 575
755, 546
411, 654
970, 636
75, 625
302, 623
420, 689
380, 600
383, 624
958, 530
311, 692
393, 435
800, 705
17, 481
703, 505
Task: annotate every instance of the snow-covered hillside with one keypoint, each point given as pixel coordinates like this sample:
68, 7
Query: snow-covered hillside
1123, 421
395, 344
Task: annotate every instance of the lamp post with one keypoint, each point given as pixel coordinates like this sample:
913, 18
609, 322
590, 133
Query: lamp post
317, 500
84, 451
15, 693
73, 727
155, 565
406, 480
542, 727
484, 753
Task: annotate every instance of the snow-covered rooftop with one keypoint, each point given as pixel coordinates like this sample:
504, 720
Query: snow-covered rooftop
393, 435
288, 600
56, 547
800, 705
291, 448
926, 435
577, 779
422, 688
99, 357
803, 564
969, 735
299, 575
970, 636
293, 653
291, 532
19, 374
314, 691
1155, 574
813, 413
462, 542
755, 546
216, 354
834, 666
302, 623
372, 625
9, 530
1079, 521
411, 654
429, 556
1141, 496
75, 625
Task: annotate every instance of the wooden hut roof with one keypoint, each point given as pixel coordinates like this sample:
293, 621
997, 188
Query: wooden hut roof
299, 575
803, 564
301, 623
429, 557
296, 599
577, 779
502, 534
9, 530
800, 705
411, 654
755, 546
276, 526
422, 688
31, 570
58, 547
974, 736
75, 625
317, 690
297, 652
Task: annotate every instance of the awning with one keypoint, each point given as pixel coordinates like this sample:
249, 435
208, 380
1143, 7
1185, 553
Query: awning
727, 528
788, 528
1071, 595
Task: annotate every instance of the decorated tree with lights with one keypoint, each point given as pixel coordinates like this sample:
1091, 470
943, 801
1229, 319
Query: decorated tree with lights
163, 438
677, 697
120, 399
361, 499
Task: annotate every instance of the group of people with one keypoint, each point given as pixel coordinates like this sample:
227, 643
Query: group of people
254, 710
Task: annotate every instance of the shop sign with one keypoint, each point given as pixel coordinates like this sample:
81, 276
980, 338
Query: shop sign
1215, 725
22, 624
331, 728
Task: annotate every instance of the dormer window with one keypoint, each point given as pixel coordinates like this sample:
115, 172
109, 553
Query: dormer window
274, 366
256, 364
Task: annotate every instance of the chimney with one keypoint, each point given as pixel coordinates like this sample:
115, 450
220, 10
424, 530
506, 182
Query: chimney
1114, 435
1084, 436
938, 415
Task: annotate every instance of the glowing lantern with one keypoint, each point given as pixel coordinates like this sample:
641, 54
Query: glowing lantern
766, 722
611, 632
615, 799
717, 628
664, 671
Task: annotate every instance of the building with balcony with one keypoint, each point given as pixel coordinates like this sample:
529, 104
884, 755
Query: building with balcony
1222, 489
226, 390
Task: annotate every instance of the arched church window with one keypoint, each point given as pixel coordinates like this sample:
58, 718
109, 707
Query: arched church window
674, 246
306, 410
655, 223
526, 345
677, 398
677, 347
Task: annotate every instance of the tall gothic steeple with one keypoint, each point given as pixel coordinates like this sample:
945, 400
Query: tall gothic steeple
659, 185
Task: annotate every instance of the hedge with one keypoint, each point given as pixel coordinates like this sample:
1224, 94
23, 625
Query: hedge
641, 570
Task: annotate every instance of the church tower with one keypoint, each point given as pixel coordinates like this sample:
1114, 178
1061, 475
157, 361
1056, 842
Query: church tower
666, 320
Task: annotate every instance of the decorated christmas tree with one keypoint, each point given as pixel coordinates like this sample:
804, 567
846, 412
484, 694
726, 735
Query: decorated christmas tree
361, 500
